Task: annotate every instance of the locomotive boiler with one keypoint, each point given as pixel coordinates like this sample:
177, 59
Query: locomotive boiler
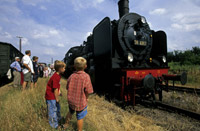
125, 57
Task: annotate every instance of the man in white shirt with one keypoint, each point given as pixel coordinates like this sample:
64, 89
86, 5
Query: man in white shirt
28, 68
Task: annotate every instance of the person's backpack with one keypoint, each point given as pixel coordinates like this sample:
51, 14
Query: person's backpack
9, 74
11, 71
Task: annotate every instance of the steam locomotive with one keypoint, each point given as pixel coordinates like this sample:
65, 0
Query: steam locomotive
126, 58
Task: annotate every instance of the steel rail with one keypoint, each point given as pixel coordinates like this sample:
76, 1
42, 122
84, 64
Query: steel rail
184, 89
170, 108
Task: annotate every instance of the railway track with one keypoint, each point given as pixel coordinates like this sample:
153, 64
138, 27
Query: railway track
170, 108
184, 89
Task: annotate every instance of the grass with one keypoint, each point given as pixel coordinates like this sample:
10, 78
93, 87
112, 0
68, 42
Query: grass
193, 72
23, 111
183, 100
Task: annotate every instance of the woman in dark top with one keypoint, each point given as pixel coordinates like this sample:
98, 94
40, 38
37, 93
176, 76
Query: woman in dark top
41, 69
36, 70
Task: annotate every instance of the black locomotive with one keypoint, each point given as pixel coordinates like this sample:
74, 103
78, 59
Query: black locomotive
125, 57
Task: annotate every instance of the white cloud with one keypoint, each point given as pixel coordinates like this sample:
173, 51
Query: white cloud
42, 33
159, 11
186, 22
25, 41
34, 2
150, 25
10, 1
12, 10
7, 35
60, 45
176, 26
49, 51
87, 34
83, 4
192, 27
43, 7
188, 18
97, 1
53, 32
178, 17
197, 41
29, 2
174, 46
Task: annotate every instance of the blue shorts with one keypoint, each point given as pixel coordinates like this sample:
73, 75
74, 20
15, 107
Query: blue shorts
79, 114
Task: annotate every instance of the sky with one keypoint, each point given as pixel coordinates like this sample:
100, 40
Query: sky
50, 27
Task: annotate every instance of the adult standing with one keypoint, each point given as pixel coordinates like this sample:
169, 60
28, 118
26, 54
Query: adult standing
52, 70
36, 70
49, 71
28, 68
41, 68
16, 72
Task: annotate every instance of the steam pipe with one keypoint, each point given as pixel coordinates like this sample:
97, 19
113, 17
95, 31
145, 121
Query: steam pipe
123, 7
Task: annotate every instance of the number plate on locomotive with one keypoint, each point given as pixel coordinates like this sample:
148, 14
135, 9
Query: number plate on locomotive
141, 43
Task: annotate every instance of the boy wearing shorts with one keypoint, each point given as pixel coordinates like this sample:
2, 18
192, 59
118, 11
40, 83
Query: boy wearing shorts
53, 93
79, 87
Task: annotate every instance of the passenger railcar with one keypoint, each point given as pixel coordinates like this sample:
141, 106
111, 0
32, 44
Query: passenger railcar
7, 55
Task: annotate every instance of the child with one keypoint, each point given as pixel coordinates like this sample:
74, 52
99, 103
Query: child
79, 86
46, 72
52, 93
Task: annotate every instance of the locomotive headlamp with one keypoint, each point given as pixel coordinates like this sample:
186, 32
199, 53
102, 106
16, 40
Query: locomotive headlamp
150, 59
130, 57
164, 59
143, 20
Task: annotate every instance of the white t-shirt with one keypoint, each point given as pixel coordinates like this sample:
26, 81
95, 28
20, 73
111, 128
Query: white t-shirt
27, 60
49, 70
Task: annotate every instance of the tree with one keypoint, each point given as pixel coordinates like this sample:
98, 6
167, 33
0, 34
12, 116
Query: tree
196, 50
187, 57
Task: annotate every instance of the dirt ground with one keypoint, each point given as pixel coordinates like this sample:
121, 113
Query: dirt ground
173, 121
168, 121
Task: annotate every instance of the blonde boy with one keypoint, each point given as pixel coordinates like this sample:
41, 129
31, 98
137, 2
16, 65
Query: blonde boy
79, 86
52, 94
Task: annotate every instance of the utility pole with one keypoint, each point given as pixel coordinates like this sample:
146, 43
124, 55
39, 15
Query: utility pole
51, 60
20, 43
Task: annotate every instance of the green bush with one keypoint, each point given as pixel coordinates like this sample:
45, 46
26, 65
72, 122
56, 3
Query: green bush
188, 57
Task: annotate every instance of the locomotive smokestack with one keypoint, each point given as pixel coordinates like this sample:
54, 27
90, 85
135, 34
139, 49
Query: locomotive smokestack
123, 7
